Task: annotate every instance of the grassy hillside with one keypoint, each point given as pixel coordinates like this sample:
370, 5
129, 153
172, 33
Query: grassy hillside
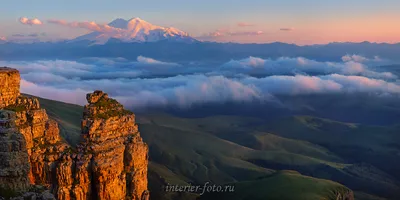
68, 117
226, 149
286, 185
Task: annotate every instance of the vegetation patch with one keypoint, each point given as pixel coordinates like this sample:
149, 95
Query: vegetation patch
16, 108
112, 113
107, 103
7, 192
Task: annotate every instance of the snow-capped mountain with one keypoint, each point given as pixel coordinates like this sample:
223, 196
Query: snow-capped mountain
136, 30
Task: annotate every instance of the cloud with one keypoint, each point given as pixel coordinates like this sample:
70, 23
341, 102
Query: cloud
18, 35
286, 29
75, 96
151, 61
185, 91
227, 32
364, 84
34, 35
334, 83
148, 82
27, 21
360, 59
248, 33
244, 24
3, 38
300, 65
92, 26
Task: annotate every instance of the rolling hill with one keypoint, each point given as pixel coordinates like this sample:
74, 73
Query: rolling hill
250, 151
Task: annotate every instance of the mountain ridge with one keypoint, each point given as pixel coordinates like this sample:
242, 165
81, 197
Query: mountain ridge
136, 30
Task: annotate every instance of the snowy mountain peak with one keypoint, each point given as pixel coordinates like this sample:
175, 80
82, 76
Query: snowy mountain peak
137, 30
118, 23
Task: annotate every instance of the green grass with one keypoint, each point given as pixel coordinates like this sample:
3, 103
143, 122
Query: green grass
224, 149
284, 185
8, 193
365, 196
199, 156
68, 117
18, 108
112, 113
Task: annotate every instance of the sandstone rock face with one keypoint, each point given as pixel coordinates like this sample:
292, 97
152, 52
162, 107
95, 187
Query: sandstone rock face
14, 164
9, 91
119, 156
110, 163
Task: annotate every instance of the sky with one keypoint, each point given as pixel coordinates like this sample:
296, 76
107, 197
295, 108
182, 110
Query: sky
252, 21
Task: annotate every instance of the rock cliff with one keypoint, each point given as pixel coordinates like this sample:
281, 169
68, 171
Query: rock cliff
10, 80
109, 163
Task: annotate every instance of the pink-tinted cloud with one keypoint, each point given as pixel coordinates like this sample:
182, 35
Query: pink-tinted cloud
3, 38
286, 29
246, 33
244, 24
27, 21
92, 26
227, 32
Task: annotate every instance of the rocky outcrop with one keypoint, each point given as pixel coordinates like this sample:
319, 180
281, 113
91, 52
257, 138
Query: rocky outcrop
14, 165
9, 91
110, 162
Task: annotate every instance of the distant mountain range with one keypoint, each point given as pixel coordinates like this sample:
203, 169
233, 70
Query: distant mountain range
136, 37
136, 30
196, 51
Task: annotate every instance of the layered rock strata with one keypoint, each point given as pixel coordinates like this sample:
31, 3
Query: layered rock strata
109, 163
10, 80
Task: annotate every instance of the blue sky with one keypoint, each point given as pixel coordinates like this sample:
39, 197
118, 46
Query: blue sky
310, 21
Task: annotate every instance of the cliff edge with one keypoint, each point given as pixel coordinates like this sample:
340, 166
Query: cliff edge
110, 162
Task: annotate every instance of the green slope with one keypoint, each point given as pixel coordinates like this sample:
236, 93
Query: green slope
68, 117
284, 185
225, 149
202, 156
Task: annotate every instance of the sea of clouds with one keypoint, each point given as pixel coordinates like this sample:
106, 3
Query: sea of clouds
148, 82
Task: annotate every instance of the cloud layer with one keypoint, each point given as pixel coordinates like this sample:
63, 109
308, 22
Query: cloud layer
300, 65
227, 33
92, 26
27, 21
147, 82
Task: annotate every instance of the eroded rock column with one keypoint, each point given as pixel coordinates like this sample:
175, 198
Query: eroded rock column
120, 157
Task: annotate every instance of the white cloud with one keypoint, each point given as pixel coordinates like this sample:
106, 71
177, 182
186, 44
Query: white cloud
149, 82
291, 66
75, 96
151, 61
92, 26
27, 21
